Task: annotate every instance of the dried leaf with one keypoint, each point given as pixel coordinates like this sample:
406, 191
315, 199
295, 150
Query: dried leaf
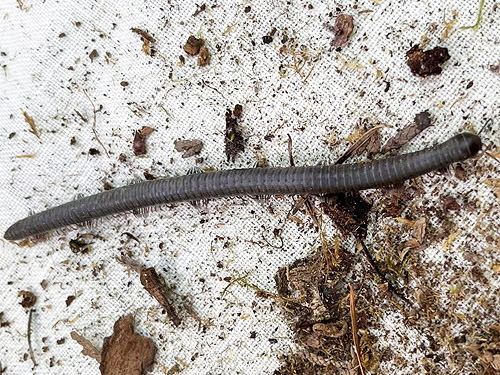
155, 285
126, 353
370, 141
342, 30
139, 145
31, 123
426, 63
189, 148
422, 121
88, 349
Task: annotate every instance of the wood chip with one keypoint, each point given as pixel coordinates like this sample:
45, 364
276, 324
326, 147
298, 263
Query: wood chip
188, 147
126, 353
421, 122
88, 349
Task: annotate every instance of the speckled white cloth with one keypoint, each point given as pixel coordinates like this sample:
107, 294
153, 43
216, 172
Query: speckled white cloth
46, 70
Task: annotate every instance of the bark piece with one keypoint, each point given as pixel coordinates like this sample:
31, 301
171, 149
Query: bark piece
126, 353
342, 30
421, 122
188, 147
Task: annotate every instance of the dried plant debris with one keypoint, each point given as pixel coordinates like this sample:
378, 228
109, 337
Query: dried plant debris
140, 136
199, 9
426, 63
421, 122
188, 147
29, 120
29, 299
93, 55
369, 142
147, 41
233, 141
348, 211
193, 45
126, 353
204, 57
342, 30
88, 349
314, 296
2, 322
155, 285
123, 353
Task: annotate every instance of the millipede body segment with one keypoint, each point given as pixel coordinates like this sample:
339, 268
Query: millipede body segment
255, 181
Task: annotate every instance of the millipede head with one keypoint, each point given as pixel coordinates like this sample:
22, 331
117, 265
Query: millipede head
471, 144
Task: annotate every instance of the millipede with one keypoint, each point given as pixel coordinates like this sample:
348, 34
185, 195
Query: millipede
320, 179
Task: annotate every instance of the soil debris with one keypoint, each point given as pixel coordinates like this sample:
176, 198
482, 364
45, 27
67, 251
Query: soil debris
193, 45
421, 122
188, 147
126, 353
234, 142
29, 299
2, 322
204, 57
342, 30
147, 41
426, 63
93, 55
139, 145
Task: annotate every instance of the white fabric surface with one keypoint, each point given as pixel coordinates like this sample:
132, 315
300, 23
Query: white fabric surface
37, 78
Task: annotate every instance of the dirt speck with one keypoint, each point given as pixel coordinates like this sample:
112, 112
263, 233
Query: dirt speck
426, 63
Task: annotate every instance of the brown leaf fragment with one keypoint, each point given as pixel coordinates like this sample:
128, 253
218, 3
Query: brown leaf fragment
204, 57
342, 29
155, 285
426, 63
234, 142
421, 122
93, 55
139, 145
29, 299
193, 45
31, 123
88, 349
188, 147
370, 142
199, 9
69, 300
126, 353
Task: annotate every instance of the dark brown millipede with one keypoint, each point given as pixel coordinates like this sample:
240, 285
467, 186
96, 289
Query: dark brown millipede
255, 181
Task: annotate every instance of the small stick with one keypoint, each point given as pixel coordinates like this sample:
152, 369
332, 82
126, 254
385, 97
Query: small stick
94, 122
32, 354
352, 306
